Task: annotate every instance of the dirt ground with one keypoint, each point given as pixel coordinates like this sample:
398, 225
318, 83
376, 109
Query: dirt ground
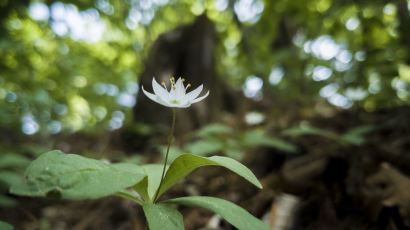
331, 185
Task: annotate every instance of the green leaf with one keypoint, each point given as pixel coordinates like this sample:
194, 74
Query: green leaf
161, 216
186, 163
213, 129
233, 148
6, 201
234, 153
356, 136
13, 160
126, 167
259, 138
134, 159
306, 129
5, 226
237, 216
204, 147
35, 149
142, 189
147, 187
10, 178
75, 177
174, 152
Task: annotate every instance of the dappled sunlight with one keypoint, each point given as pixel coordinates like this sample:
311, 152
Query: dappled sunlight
352, 23
329, 90
276, 75
39, 11
117, 120
68, 20
324, 47
248, 10
321, 73
253, 87
29, 126
331, 59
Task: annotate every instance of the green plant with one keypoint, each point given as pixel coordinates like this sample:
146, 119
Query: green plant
5, 226
353, 136
221, 138
11, 166
70, 176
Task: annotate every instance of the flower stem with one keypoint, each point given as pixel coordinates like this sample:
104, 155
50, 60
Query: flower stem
170, 139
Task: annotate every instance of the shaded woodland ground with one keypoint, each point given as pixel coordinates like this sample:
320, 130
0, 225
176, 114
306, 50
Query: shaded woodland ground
333, 182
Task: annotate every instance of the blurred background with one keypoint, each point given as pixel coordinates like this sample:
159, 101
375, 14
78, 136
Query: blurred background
313, 96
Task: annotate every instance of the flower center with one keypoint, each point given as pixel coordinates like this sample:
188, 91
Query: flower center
174, 102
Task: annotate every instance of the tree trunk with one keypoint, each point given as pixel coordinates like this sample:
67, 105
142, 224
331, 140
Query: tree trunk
187, 51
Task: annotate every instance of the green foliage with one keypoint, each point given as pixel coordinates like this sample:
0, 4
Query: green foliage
63, 81
186, 163
353, 136
161, 216
174, 152
211, 130
356, 136
11, 165
12, 160
75, 177
149, 186
259, 138
10, 178
72, 176
220, 138
6, 201
306, 129
205, 147
5, 226
237, 216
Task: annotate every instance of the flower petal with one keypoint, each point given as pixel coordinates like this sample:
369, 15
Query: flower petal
154, 97
160, 91
172, 94
194, 93
200, 98
185, 105
180, 89
164, 103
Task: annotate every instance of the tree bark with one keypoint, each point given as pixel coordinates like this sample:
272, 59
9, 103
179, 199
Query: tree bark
187, 51
404, 26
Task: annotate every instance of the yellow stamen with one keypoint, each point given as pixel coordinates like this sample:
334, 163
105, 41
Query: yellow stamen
187, 86
172, 80
163, 84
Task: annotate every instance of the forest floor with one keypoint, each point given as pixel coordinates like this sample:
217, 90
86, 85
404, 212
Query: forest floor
362, 186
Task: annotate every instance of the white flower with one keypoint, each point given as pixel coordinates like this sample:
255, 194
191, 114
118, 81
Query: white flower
176, 97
